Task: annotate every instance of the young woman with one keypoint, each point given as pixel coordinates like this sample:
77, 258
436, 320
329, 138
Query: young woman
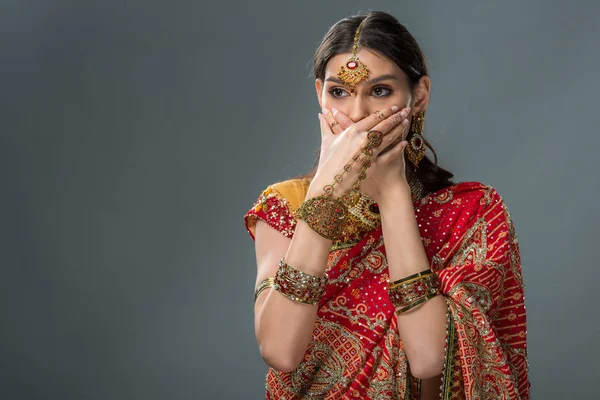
378, 276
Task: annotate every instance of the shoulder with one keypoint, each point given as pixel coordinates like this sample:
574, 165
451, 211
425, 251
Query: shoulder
474, 192
276, 205
292, 191
471, 200
488, 195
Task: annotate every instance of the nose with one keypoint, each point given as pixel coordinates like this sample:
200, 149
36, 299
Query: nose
359, 108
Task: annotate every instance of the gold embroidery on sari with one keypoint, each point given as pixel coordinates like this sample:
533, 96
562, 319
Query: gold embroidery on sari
471, 302
450, 388
332, 361
474, 246
444, 197
350, 269
357, 315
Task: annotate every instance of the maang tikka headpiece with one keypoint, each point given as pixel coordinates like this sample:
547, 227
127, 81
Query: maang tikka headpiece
354, 71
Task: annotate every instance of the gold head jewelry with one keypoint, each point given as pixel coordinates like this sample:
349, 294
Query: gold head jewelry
354, 71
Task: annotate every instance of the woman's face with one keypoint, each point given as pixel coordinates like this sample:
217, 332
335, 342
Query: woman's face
385, 86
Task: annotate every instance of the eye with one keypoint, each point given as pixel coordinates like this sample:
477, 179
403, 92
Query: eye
337, 92
381, 91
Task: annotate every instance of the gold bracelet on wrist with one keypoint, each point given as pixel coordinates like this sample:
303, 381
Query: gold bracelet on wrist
264, 284
410, 278
299, 286
324, 213
405, 291
418, 302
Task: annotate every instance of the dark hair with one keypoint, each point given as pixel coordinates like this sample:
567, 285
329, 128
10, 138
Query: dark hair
382, 33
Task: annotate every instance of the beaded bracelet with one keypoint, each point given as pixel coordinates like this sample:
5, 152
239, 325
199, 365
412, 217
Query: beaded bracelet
411, 289
299, 286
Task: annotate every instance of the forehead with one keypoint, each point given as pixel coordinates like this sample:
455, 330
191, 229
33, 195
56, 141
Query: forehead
375, 62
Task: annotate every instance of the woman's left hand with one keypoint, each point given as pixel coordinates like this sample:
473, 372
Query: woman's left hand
388, 169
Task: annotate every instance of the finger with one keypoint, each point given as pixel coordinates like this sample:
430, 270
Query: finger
393, 135
325, 128
406, 129
384, 148
342, 118
376, 119
334, 125
388, 125
392, 152
397, 134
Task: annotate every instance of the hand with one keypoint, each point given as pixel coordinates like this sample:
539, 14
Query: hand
388, 165
337, 149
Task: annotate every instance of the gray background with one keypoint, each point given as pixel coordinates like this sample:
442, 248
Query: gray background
135, 134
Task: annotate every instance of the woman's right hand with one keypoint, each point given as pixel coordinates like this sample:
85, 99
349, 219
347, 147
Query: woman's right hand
338, 149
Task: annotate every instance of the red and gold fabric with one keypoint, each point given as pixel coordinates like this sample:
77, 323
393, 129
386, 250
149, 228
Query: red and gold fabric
356, 352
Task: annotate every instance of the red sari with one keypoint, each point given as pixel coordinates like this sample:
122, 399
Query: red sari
356, 352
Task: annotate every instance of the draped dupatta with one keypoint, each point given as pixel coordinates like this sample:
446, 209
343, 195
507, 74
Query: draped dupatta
356, 352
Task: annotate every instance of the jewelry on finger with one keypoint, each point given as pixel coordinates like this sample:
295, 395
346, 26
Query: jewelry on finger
325, 214
375, 137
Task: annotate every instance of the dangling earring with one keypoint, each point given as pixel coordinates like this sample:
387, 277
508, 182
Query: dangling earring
415, 151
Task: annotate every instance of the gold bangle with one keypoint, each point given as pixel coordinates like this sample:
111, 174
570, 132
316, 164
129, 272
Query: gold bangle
410, 278
264, 284
418, 302
405, 293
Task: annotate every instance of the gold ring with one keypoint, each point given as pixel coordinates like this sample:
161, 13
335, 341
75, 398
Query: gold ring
334, 123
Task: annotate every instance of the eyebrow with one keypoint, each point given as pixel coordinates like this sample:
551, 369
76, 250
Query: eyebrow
367, 82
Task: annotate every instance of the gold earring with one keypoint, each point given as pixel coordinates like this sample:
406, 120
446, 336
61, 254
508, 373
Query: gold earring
415, 151
354, 71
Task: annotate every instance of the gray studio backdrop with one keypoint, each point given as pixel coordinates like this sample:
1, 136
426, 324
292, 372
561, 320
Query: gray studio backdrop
135, 134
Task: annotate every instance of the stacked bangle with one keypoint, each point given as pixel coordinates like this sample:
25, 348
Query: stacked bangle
409, 292
264, 284
299, 286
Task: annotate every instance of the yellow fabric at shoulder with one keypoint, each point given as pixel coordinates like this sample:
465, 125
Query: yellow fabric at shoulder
276, 206
293, 190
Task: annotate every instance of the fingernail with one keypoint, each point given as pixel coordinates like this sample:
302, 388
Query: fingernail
334, 111
319, 116
394, 108
325, 111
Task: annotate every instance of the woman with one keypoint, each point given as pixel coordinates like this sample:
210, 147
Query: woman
436, 311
